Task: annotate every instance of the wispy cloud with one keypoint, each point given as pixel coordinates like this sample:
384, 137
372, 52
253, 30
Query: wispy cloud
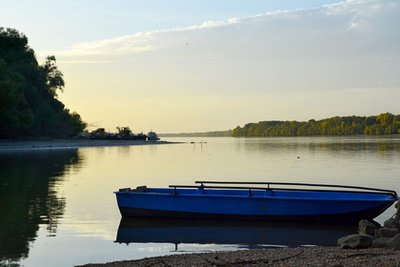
276, 30
310, 57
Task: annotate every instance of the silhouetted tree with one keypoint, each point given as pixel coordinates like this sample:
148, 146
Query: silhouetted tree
28, 93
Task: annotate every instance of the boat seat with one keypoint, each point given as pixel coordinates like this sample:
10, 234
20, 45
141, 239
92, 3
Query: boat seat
140, 189
128, 189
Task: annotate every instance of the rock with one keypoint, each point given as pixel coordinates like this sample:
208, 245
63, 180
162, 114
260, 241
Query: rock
376, 233
392, 223
394, 242
387, 232
355, 241
366, 227
397, 206
380, 242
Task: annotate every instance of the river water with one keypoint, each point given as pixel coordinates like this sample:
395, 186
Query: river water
57, 207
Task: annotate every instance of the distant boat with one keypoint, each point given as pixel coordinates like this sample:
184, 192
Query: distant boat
152, 136
244, 201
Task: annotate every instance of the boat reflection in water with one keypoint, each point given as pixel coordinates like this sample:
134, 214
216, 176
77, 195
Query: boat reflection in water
243, 233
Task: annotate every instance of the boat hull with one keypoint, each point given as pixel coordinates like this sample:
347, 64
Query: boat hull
337, 217
259, 205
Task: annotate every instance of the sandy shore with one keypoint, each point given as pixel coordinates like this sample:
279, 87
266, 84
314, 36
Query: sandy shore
302, 256
70, 143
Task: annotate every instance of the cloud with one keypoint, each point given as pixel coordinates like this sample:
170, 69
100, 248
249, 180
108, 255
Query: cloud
347, 44
282, 29
125, 44
105, 48
304, 58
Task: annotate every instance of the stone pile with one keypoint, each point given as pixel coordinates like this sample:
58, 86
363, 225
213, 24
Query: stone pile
372, 234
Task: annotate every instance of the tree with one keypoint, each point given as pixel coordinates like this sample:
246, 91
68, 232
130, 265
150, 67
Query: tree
28, 93
14, 113
385, 123
54, 77
385, 119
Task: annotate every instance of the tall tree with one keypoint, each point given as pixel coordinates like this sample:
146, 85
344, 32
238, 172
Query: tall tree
28, 93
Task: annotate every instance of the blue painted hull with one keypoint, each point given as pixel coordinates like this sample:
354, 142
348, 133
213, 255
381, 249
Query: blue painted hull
271, 205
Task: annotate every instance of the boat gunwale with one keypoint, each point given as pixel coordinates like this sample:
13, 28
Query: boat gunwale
175, 193
367, 190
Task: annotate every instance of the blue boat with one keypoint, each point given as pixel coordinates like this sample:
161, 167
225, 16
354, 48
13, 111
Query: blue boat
266, 201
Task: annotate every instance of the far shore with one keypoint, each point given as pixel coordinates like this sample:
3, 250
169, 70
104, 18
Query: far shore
9, 145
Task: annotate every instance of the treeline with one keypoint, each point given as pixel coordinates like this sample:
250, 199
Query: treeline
385, 123
28, 93
199, 134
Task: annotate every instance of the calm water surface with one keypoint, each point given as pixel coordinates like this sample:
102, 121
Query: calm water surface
57, 207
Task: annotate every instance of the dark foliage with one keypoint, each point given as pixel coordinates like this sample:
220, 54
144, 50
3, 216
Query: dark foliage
385, 123
28, 93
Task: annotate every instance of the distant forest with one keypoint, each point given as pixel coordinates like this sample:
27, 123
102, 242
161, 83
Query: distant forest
385, 123
199, 134
29, 107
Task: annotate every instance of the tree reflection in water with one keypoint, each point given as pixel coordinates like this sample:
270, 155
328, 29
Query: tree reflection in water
28, 197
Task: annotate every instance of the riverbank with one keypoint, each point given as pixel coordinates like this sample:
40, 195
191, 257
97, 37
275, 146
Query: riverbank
6, 145
301, 256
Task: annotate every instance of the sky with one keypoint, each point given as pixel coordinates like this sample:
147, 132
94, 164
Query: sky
177, 66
